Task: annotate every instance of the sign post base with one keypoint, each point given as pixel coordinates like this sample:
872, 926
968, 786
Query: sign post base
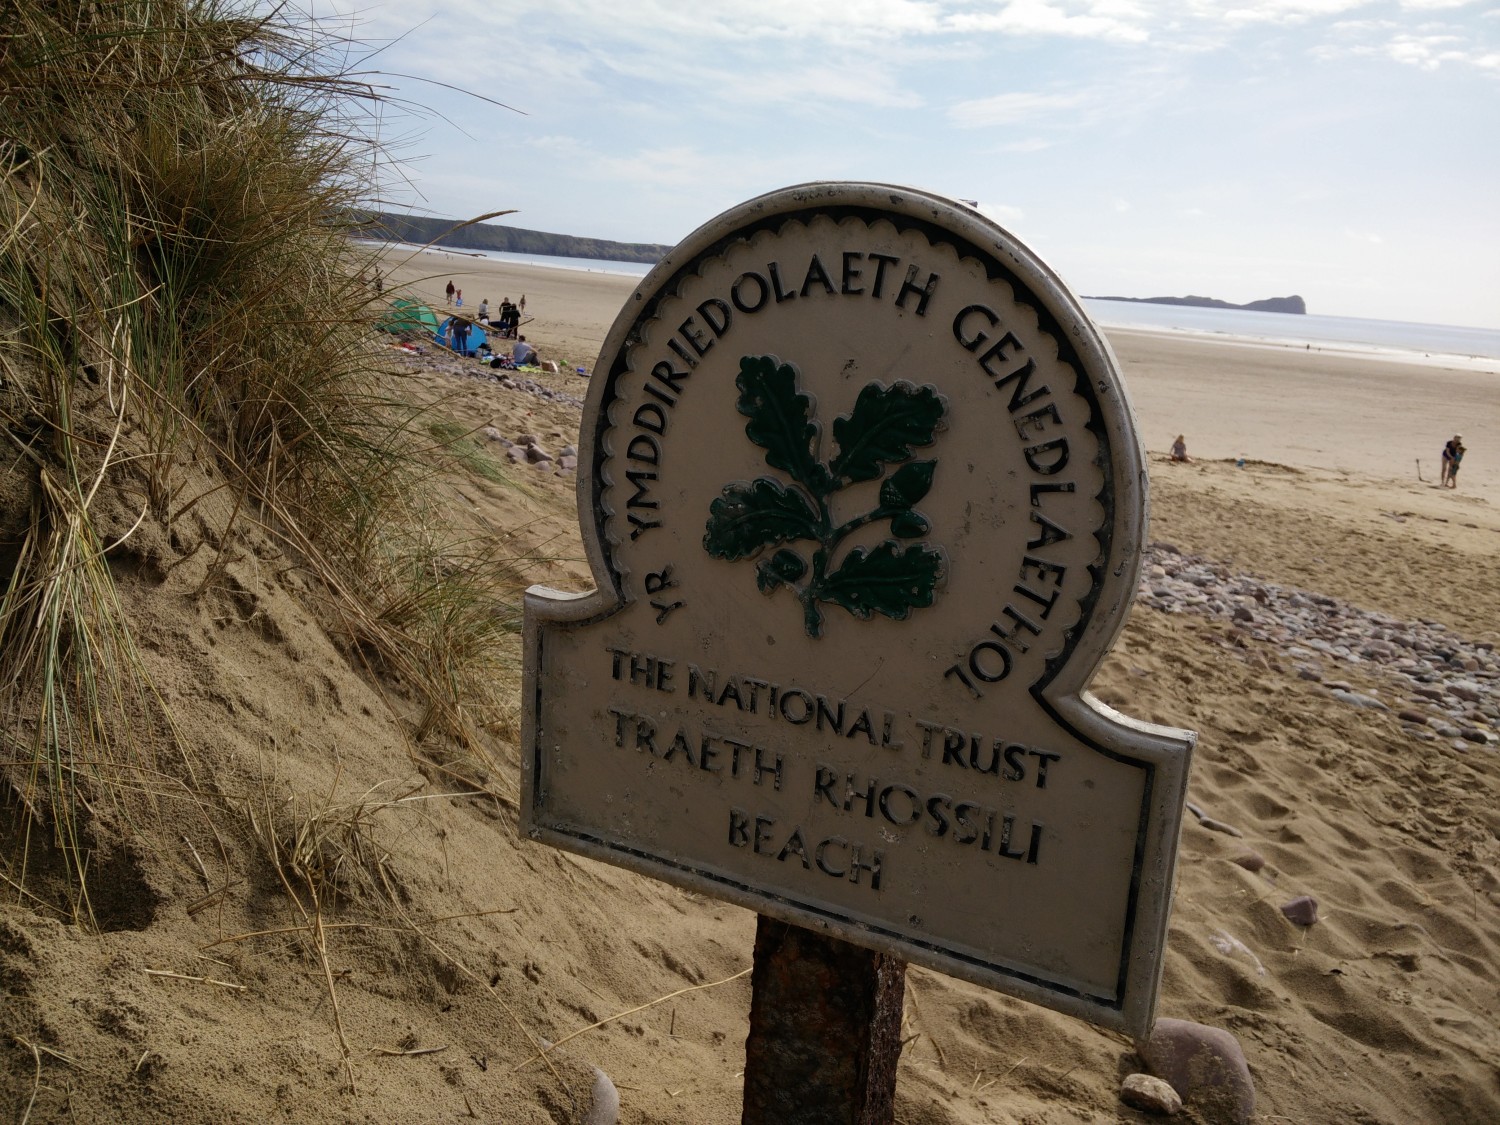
825, 1030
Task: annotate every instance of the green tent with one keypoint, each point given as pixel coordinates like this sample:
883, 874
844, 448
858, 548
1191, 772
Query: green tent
408, 316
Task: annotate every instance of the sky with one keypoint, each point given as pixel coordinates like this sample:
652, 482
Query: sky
1344, 150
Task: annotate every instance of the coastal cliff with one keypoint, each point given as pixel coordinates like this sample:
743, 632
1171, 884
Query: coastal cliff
1293, 304
505, 239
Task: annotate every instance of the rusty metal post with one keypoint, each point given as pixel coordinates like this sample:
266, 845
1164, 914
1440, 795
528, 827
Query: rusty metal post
825, 1030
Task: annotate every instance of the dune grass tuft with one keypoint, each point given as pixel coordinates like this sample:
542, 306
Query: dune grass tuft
182, 319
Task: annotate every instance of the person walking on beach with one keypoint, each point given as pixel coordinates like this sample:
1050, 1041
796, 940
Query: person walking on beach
450, 291
1453, 453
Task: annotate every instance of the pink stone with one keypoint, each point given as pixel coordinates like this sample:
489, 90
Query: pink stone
1205, 1065
1302, 911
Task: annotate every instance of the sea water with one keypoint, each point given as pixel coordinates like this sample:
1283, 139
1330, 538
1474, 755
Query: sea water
1310, 329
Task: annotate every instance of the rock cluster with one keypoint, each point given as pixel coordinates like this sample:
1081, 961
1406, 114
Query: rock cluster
1437, 683
527, 449
446, 364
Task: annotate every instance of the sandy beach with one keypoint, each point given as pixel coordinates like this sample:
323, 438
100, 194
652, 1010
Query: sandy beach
1324, 619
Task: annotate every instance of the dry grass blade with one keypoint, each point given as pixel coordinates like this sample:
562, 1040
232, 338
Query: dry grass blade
542, 1054
36, 1081
196, 980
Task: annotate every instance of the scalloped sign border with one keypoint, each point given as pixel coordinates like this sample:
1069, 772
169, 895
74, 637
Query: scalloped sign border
864, 506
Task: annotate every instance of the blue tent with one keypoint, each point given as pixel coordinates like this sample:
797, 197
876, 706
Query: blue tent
477, 338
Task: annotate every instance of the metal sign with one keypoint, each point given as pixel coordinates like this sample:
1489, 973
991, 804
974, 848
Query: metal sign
864, 508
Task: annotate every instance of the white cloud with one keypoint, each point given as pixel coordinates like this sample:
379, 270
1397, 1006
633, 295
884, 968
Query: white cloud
1007, 109
1120, 22
1289, 11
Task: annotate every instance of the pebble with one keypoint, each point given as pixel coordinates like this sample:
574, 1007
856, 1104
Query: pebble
1250, 861
1301, 911
606, 1107
1205, 1065
1431, 677
1358, 699
1147, 1092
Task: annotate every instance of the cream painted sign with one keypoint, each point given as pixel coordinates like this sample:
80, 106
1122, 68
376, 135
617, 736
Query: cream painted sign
865, 507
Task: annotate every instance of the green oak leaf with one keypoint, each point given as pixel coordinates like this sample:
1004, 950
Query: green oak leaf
891, 580
781, 420
781, 569
907, 485
909, 525
746, 517
884, 425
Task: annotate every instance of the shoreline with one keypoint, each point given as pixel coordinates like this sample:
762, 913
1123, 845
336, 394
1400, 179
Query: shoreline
1487, 364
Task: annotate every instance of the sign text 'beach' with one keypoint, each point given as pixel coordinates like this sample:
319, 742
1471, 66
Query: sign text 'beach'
864, 501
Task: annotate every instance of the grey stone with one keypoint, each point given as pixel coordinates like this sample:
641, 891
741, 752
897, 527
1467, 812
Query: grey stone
1205, 1065
1358, 699
535, 453
1409, 716
605, 1109
1149, 1093
1301, 911
1250, 861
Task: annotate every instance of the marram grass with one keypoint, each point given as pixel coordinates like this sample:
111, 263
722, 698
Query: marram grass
181, 312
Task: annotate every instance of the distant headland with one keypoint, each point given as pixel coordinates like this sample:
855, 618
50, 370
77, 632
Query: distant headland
511, 240
1293, 304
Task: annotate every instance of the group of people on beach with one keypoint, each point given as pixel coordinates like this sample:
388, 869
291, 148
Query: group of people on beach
506, 325
509, 319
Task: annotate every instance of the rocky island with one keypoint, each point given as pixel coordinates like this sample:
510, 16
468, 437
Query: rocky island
1293, 304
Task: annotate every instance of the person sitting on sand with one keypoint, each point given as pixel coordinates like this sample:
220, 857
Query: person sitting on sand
1453, 453
1179, 450
523, 354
